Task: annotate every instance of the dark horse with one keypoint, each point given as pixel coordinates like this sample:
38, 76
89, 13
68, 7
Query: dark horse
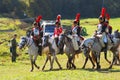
66, 40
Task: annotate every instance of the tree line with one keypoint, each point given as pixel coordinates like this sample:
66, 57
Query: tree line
50, 8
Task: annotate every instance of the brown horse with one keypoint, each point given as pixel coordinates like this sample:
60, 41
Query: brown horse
66, 40
50, 49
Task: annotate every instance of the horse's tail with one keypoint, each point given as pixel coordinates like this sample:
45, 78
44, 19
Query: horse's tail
93, 56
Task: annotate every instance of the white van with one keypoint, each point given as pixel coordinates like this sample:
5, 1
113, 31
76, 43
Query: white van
48, 27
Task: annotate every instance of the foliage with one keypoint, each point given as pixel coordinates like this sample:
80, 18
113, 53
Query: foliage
50, 8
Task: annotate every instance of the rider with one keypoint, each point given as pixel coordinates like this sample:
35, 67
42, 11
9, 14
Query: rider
76, 30
58, 30
102, 29
109, 27
37, 34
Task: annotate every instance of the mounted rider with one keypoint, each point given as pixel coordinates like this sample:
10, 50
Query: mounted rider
58, 30
103, 30
109, 27
76, 30
37, 34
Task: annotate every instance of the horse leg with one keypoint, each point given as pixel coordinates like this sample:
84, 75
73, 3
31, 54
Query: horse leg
35, 57
118, 58
105, 56
86, 54
86, 59
73, 59
98, 61
68, 65
52, 62
71, 63
45, 63
91, 62
32, 67
114, 57
58, 62
49, 57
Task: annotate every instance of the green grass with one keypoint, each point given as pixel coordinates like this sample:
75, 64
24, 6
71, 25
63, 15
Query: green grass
21, 69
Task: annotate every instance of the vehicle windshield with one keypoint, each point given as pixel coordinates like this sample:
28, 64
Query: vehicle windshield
49, 28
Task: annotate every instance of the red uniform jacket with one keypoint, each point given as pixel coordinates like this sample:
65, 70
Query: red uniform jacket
58, 31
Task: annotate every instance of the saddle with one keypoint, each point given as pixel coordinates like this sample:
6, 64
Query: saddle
106, 45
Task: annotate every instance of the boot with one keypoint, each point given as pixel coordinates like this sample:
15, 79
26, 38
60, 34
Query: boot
40, 50
105, 48
78, 43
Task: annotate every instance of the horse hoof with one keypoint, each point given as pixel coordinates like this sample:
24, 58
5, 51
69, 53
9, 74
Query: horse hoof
60, 68
110, 67
50, 69
31, 70
93, 67
42, 69
68, 67
98, 67
38, 67
74, 67
83, 67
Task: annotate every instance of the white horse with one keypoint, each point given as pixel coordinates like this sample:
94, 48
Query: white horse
95, 46
32, 49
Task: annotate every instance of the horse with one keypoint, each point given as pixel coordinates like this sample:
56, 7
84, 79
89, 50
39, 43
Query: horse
95, 46
52, 50
116, 37
32, 50
66, 40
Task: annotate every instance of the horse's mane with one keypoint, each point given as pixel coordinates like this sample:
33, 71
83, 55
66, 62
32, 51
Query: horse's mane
69, 39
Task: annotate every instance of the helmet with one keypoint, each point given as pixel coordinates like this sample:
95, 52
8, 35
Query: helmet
38, 19
77, 18
102, 15
58, 19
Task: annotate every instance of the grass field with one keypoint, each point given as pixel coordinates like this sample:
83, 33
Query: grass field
21, 69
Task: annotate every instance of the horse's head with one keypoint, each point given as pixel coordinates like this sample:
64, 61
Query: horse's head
64, 38
117, 34
46, 39
23, 41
